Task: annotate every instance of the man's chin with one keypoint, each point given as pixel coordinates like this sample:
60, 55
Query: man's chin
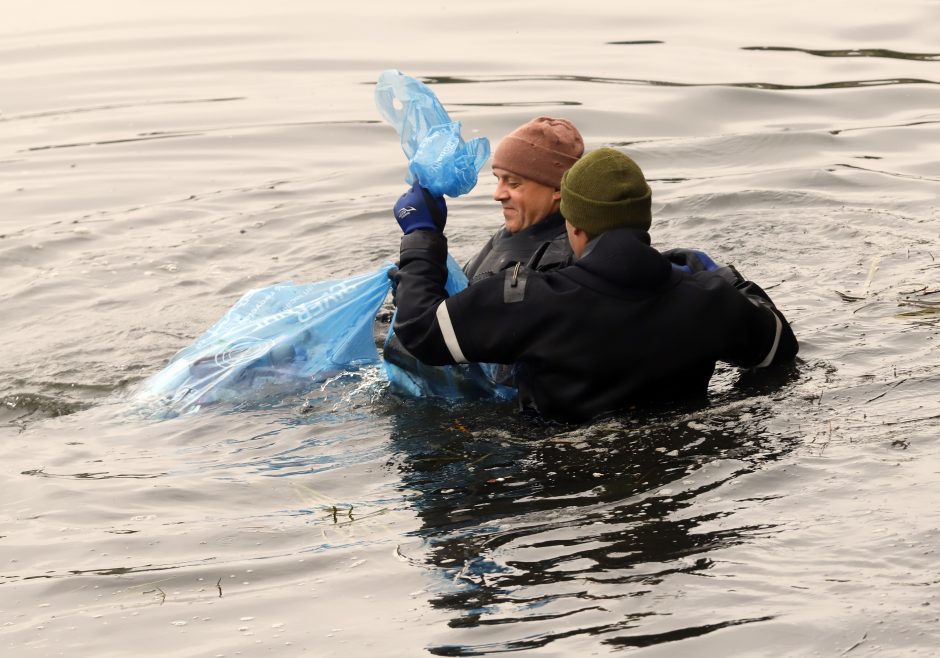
511, 221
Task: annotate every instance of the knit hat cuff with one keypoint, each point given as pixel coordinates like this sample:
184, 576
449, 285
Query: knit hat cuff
596, 216
532, 161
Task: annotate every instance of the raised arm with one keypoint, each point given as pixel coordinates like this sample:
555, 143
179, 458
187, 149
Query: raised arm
422, 273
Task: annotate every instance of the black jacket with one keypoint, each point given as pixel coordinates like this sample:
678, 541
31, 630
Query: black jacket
619, 326
547, 238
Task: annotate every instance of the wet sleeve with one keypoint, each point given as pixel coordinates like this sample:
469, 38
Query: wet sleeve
422, 273
764, 337
440, 330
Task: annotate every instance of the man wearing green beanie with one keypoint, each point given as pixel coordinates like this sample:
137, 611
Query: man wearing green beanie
607, 191
623, 325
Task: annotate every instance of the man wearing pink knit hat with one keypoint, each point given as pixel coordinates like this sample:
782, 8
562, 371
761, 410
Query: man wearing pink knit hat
528, 164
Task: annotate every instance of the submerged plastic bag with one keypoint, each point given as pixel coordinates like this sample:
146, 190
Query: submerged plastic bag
437, 155
273, 341
408, 376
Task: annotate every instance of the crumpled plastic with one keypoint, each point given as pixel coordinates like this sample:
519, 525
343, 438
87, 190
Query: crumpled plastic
285, 339
437, 155
274, 341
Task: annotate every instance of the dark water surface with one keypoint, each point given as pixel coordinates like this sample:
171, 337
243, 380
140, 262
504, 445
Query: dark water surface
157, 163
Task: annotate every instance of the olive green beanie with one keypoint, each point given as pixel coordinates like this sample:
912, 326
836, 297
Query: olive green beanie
604, 190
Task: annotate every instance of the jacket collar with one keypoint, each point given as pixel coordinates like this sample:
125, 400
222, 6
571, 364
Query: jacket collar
622, 261
542, 231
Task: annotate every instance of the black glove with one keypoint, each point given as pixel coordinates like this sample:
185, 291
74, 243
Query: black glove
693, 261
417, 209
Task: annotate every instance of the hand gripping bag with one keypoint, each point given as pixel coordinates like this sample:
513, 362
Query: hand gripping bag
445, 164
437, 154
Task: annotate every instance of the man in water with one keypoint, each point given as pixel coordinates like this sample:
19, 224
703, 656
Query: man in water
620, 326
528, 164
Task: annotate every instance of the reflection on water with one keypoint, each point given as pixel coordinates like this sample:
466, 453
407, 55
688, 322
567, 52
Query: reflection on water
567, 530
854, 52
841, 84
155, 165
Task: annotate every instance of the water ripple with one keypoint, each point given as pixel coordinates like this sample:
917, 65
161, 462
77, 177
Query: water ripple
679, 634
114, 106
103, 475
844, 84
853, 52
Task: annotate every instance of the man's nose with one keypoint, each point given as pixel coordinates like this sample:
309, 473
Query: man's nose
500, 192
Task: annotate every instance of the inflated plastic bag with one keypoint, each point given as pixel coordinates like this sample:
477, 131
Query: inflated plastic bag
274, 341
437, 154
408, 376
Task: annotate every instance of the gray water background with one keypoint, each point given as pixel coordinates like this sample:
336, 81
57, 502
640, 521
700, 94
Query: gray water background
159, 160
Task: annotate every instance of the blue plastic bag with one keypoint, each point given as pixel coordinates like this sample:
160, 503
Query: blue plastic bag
439, 158
437, 155
280, 339
458, 382
274, 341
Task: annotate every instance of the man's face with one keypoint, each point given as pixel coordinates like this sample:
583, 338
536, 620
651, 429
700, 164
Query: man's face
524, 201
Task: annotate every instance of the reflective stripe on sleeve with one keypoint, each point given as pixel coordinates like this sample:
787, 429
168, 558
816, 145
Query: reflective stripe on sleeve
773, 348
450, 338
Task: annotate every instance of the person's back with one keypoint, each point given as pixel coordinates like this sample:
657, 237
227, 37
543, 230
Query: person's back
620, 326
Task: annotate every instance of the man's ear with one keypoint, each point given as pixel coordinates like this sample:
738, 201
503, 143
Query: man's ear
577, 238
556, 195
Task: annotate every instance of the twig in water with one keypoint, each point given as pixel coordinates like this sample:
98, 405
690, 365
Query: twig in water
909, 420
856, 645
881, 395
848, 298
875, 263
352, 519
333, 510
162, 594
828, 439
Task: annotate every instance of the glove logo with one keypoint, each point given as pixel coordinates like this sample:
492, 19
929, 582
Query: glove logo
405, 211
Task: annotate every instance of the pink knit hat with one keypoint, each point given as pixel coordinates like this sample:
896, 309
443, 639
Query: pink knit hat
541, 150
